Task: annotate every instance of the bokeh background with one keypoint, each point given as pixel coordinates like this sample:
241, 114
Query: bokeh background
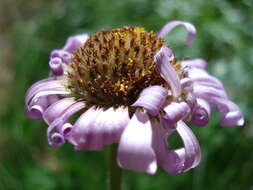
29, 30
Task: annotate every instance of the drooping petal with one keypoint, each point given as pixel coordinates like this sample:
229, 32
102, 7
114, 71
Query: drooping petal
179, 160
62, 119
191, 146
175, 112
170, 162
206, 92
78, 136
152, 98
48, 93
56, 109
208, 81
191, 31
135, 150
197, 63
43, 85
230, 112
168, 159
201, 113
74, 42
199, 76
97, 128
167, 71
38, 85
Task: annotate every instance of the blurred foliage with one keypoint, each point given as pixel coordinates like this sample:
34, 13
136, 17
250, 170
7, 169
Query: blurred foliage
29, 30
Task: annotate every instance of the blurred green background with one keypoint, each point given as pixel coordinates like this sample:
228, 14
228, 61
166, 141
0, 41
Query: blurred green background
29, 30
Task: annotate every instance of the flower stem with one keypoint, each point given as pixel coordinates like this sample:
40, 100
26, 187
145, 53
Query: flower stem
115, 173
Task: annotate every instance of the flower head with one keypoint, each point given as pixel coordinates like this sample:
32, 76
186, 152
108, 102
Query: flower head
128, 88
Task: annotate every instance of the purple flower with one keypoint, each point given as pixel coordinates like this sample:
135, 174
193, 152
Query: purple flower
128, 88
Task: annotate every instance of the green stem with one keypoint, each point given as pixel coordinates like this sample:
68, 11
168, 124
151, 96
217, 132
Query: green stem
115, 173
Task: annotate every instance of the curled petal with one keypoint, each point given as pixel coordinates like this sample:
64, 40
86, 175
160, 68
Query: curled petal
62, 119
168, 159
43, 85
37, 86
36, 112
152, 99
57, 139
135, 150
192, 153
97, 128
65, 129
56, 109
56, 66
48, 93
74, 42
201, 113
191, 31
230, 112
62, 54
36, 109
197, 63
179, 160
167, 71
175, 112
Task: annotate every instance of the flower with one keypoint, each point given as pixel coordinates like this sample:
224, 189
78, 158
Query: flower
128, 88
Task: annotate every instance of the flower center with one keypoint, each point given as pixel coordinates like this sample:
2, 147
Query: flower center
114, 66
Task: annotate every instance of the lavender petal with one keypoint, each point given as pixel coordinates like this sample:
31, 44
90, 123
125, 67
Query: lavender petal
178, 160
74, 42
201, 113
191, 31
191, 146
152, 98
56, 139
62, 54
167, 71
207, 91
56, 66
35, 110
63, 118
186, 84
230, 112
97, 128
175, 112
199, 76
167, 159
195, 63
65, 129
135, 150
56, 109
43, 85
